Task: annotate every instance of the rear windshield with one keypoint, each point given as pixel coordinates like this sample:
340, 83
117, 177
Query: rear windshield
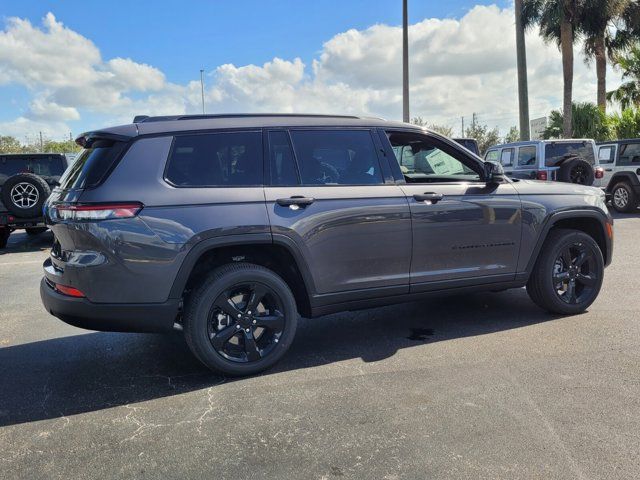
44, 166
92, 164
558, 151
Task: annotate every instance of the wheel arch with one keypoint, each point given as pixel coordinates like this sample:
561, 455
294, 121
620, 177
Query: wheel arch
261, 249
629, 177
591, 222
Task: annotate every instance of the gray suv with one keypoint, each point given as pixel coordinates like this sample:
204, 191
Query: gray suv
227, 227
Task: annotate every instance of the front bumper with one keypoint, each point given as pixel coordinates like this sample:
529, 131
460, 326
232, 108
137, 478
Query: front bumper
110, 317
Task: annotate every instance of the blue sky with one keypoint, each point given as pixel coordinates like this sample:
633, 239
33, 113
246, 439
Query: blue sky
69, 66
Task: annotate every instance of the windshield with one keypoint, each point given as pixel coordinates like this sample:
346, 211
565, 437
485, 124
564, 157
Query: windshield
559, 150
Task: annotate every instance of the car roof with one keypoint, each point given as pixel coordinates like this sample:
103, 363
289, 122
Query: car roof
535, 142
18, 156
185, 123
622, 140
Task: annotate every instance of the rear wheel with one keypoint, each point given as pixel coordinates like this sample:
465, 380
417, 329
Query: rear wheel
568, 274
577, 171
623, 198
241, 320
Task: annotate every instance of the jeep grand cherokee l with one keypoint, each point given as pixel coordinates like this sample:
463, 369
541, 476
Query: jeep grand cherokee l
227, 227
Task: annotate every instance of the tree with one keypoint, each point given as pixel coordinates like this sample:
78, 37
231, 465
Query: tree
513, 135
485, 137
628, 94
521, 62
601, 22
588, 122
67, 146
556, 19
10, 144
625, 124
441, 129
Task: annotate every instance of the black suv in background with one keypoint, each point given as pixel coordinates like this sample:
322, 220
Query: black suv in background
26, 181
228, 227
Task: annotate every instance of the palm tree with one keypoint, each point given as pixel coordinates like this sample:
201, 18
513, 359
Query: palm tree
628, 94
597, 23
556, 19
588, 122
523, 89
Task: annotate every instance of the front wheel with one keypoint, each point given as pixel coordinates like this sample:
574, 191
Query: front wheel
623, 198
568, 274
241, 320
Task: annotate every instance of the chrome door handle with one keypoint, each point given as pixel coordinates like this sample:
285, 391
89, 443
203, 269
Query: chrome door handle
295, 201
428, 196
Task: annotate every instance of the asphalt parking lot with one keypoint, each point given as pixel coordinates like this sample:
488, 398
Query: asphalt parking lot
482, 386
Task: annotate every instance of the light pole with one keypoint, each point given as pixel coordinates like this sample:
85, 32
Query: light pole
523, 93
405, 63
202, 88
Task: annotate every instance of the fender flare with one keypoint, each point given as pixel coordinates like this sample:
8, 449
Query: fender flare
618, 177
555, 217
203, 246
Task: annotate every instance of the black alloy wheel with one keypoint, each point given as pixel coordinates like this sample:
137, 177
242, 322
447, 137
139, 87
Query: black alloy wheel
574, 273
246, 322
579, 174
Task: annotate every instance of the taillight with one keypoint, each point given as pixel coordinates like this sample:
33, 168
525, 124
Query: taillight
65, 290
599, 172
98, 211
541, 175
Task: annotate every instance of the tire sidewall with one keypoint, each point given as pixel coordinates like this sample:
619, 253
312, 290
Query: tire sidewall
197, 318
569, 165
547, 265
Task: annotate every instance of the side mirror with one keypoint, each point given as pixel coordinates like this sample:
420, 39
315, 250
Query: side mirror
493, 172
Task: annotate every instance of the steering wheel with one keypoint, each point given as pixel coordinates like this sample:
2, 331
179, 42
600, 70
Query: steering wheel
328, 174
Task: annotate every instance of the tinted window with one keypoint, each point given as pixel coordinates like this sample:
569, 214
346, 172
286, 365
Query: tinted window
92, 164
422, 160
491, 156
527, 156
282, 163
342, 157
216, 159
506, 158
630, 153
560, 150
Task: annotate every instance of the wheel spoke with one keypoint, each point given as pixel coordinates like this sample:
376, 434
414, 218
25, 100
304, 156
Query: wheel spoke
571, 292
560, 277
586, 280
272, 322
566, 257
250, 346
256, 295
223, 336
224, 303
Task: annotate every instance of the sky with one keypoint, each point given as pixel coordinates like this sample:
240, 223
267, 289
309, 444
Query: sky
72, 66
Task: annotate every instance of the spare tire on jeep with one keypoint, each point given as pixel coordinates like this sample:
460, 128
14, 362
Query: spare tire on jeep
576, 170
24, 194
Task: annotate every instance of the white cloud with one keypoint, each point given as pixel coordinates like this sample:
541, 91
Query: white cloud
457, 67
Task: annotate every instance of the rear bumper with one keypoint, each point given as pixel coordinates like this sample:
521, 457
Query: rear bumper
110, 317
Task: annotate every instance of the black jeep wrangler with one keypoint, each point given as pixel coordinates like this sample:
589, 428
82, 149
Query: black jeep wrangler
26, 181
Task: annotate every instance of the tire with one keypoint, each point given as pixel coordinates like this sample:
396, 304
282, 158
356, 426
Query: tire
623, 198
577, 171
24, 195
232, 354
545, 291
4, 237
35, 230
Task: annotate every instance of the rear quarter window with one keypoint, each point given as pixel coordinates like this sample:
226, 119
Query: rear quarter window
92, 164
225, 159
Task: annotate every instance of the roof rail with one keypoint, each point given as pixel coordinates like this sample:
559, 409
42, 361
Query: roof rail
146, 118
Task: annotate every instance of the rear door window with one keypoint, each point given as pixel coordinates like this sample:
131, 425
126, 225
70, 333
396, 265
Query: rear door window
282, 163
606, 154
336, 157
225, 159
630, 154
506, 157
527, 156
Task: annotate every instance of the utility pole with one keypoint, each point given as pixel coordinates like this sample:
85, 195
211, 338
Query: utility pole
41, 144
405, 63
523, 89
202, 88
462, 134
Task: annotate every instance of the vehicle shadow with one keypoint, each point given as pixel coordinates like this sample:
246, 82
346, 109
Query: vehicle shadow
94, 371
20, 241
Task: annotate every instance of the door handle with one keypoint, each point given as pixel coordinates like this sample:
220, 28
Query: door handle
428, 196
295, 202
608, 169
